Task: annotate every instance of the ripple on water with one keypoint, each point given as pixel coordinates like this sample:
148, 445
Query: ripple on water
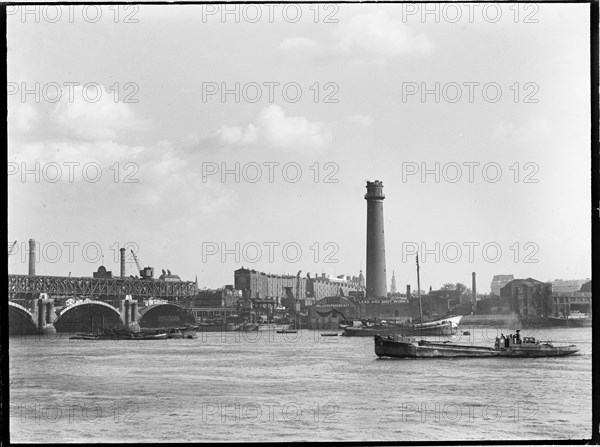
332, 391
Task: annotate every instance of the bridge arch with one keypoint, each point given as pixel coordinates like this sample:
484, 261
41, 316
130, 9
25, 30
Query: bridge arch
88, 316
165, 315
20, 320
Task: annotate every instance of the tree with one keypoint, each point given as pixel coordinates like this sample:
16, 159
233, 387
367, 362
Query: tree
460, 288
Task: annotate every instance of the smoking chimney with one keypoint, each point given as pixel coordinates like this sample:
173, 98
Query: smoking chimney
31, 257
376, 277
122, 250
474, 290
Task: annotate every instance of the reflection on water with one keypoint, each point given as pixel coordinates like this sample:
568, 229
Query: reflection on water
265, 386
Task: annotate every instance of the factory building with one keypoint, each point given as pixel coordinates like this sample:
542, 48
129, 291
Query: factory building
261, 285
568, 286
529, 298
567, 304
499, 281
209, 304
307, 290
330, 311
323, 286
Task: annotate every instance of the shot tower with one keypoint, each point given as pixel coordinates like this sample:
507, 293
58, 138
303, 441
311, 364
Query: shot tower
376, 277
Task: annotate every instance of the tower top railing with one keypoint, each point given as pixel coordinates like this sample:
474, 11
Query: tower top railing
375, 190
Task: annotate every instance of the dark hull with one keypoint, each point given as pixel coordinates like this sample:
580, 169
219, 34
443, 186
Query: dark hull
180, 332
406, 330
119, 337
398, 349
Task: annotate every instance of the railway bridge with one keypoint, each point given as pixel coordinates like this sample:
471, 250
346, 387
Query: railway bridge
79, 304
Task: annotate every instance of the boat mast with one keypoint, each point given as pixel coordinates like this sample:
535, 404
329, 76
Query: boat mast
419, 291
296, 301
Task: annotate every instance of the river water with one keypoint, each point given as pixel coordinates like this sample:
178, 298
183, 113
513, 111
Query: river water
291, 387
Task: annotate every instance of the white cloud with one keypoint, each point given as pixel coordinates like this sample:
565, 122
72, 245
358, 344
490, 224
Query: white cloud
368, 39
93, 121
237, 136
292, 131
379, 34
273, 128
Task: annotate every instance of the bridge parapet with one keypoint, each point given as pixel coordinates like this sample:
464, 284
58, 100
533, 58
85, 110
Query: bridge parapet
115, 287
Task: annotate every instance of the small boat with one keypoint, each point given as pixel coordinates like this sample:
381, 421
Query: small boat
466, 333
287, 331
85, 337
439, 328
329, 334
174, 333
574, 319
120, 335
246, 327
188, 331
408, 347
162, 336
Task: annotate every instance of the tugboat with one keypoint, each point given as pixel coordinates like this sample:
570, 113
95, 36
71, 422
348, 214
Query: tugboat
511, 346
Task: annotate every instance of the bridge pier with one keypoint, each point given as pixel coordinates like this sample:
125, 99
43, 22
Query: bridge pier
130, 315
44, 315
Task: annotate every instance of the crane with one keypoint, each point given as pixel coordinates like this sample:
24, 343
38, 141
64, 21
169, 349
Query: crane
11, 248
137, 262
145, 273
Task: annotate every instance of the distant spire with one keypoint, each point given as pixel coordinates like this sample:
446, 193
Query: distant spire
393, 285
361, 279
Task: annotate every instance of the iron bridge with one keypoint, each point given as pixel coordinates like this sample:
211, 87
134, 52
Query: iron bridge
67, 285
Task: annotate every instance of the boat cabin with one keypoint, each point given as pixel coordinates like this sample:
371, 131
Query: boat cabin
515, 341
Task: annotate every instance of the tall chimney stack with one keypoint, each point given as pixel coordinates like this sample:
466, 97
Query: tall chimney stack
122, 262
376, 276
31, 257
407, 291
474, 290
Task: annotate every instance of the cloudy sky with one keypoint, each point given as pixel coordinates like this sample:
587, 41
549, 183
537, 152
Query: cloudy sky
185, 130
